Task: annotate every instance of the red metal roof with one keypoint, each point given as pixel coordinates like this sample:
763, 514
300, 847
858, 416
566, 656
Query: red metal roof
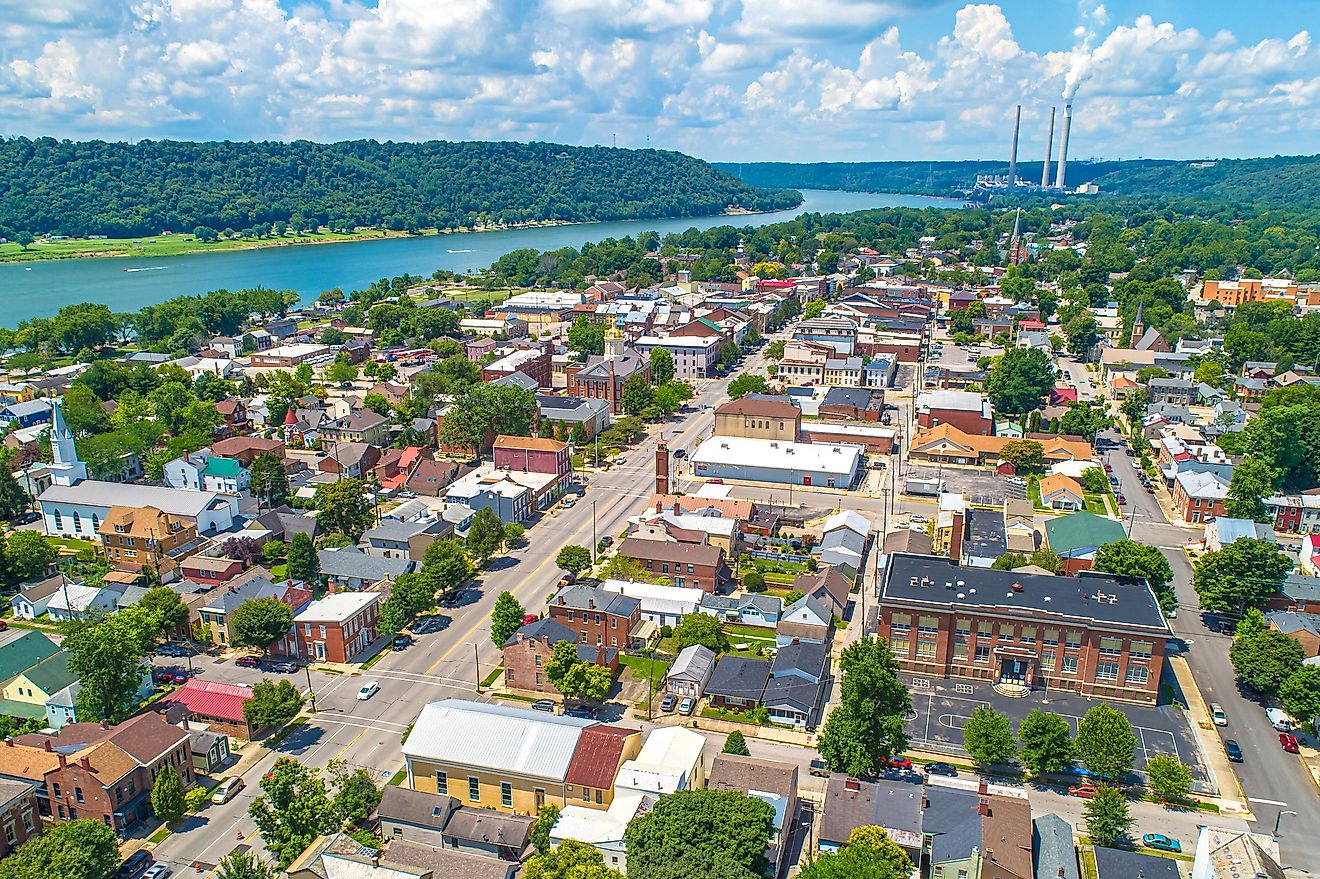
597, 756
212, 699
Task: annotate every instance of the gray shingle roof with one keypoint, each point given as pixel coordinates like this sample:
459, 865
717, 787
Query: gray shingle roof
1052, 848
739, 678
351, 562
579, 596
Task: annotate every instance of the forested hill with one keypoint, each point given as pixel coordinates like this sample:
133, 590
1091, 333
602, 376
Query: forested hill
1265, 183
126, 190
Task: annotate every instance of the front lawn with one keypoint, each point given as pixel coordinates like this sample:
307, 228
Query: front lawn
642, 666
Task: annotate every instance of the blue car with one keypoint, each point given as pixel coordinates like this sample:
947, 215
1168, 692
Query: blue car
1161, 842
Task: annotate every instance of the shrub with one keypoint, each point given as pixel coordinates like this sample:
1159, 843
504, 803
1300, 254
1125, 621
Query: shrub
754, 582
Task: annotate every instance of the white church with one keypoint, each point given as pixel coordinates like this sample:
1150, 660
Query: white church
74, 506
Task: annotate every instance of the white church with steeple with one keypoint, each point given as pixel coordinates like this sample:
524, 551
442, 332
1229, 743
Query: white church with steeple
65, 468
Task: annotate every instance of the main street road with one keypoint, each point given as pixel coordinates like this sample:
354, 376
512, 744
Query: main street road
448, 663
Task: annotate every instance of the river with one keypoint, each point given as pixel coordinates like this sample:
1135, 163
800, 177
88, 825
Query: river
40, 289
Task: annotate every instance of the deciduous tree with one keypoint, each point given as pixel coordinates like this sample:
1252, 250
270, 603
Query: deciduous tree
292, 810
1046, 742
688, 832
303, 563
1026, 456
1264, 660
506, 618
869, 724
269, 481
80, 849
662, 366
1105, 743
108, 654
1241, 575
988, 737
700, 628
1019, 380
747, 383
1252, 481
243, 865
1300, 694
485, 534
167, 796
869, 854
29, 556
1137, 561
272, 704
1170, 780
1107, 816
260, 622
345, 506
574, 559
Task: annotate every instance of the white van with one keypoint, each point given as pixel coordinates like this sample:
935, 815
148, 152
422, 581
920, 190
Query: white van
1278, 719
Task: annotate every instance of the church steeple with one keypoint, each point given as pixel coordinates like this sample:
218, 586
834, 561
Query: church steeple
65, 467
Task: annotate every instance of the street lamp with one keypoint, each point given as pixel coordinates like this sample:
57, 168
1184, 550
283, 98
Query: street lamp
476, 660
1278, 818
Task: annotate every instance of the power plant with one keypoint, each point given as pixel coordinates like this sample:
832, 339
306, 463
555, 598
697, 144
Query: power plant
1011, 182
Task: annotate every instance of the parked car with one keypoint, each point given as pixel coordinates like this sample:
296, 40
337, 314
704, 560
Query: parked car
400, 642
687, 706
134, 865
1233, 750
426, 625
1121, 498
569, 502
1288, 742
170, 650
1279, 719
157, 871
715, 481
367, 690
1109, 468
284, 667
898, 762
226, 790
607, 540
248, 662
161, 676
27, 518
529, 618
818, 769
917, 518
1218, 715
546, 705
583, 712
680, 454
1161, 842
668, 703
941, 769
1085, 791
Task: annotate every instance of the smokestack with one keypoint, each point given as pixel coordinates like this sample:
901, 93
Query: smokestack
1063, 145
662, 470
1049, 148
1012, 155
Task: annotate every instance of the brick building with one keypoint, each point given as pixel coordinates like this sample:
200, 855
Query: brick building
759, 416
853, 404
1200, 497
695, 565
137, 539
528, 652
968, 411
532, 455
599, 618
602, 378
338, 627
18, 814
533, 362
1092, 634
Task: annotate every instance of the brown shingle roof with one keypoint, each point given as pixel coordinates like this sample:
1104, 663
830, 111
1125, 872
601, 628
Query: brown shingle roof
663, 551
534, 443
597, 755
109, 761
1006, 835
23, 761
759, 406
734, 772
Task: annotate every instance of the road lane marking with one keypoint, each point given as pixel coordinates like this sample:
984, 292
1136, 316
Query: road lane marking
1265, 802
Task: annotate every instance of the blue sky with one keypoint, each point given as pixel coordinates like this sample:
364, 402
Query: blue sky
729, 80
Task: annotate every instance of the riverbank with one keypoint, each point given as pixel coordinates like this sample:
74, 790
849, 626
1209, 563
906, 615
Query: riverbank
185, 244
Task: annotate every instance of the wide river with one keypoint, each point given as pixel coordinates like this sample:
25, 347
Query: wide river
39, 289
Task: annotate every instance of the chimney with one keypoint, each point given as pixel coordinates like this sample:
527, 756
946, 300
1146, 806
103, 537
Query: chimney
983, 808
1049, 147
660, 505
85, 763
1012, 155
46, 744
64, 761
1063, 146
852, 784
662, 468
956, 537
591, 604
983, 788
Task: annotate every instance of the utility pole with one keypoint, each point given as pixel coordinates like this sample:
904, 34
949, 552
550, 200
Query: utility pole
310, 692
477, 662
594, 542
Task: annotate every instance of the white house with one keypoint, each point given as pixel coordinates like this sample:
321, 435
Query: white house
33, 601
690, 671
77, 510
662, 605
670, 760
74, 601
185, 471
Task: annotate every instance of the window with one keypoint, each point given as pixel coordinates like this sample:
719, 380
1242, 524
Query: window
1005, 632
963, 628
55, 786
1111, 646
11, 836
1106, 671
1070, 665
322, 631
614, 622
77, 521
539, 659
898, 645
926, 649
506, 793
441, 782
78, 795
1072, 640
59, 525
1029, 635
586, 794
1051, 637
474, 788
570, 616
1139, 649
664, 568
1138, 674
983, 654
27, 820
983, 630
928, 625
960, 651
901, 622
1047, 660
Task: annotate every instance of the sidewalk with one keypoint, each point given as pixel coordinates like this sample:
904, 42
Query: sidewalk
1224, 781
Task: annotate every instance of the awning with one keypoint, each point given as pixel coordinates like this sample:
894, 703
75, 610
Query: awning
646, 631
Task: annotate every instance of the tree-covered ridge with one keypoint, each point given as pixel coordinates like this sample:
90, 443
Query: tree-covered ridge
916, 178
124, 190
1269, 182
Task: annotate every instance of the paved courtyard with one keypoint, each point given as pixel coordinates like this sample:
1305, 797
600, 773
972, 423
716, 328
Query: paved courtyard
942, 707
978, 486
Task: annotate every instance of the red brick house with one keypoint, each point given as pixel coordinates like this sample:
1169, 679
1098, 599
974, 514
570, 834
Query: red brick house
694, 565
19, 813
531, 454
528, 652
212, 570
968, 411
533, 362
234, 413
338, 627
599, 618
105, 774
1200, 497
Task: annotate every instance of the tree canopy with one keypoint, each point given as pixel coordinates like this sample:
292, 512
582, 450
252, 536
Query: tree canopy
692, 832
869, 723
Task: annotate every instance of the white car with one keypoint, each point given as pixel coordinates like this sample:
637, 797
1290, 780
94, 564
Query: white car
1218, 715
368, 690
157, 871
917, 519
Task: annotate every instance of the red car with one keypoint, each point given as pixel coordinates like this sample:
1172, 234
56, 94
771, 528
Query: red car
178, 677
248, 662
1085, 791
1121, 499
1109, 468
1288, 742
898, 763
529, 619
160, 676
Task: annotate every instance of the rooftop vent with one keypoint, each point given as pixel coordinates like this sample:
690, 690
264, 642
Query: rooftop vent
912, 581
1047, 598
962, 594
774, 445
971, 591
1017, 587
948, 584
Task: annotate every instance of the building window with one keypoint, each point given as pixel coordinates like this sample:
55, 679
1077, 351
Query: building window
1140, 649
506, 793
586, 794
55, 786
11, 836
1070, 665
960, 651
27, 820
77, 521
614, 622
928, 625
1047, 660
1005, 632
1106, 671
1029, 635
538, 660
1072, 640
1138, 674
983, 630
1111, 646
963, 628
1051, 637
441, 782
474, 788
78, 795
59, 525
925, 649
983, 654
898, 645
901, 623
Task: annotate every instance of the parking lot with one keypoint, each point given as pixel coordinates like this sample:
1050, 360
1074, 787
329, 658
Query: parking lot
978, 486
943, 706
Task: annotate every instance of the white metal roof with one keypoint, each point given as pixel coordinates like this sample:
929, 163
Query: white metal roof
799, 457
850, 519
503, 738
337, 607
679, 600
94, 493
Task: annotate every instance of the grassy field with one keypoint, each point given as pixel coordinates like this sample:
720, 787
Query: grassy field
641, 666
173, 245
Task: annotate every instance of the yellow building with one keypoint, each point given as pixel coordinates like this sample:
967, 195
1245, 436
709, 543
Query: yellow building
515, 759
27, 693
